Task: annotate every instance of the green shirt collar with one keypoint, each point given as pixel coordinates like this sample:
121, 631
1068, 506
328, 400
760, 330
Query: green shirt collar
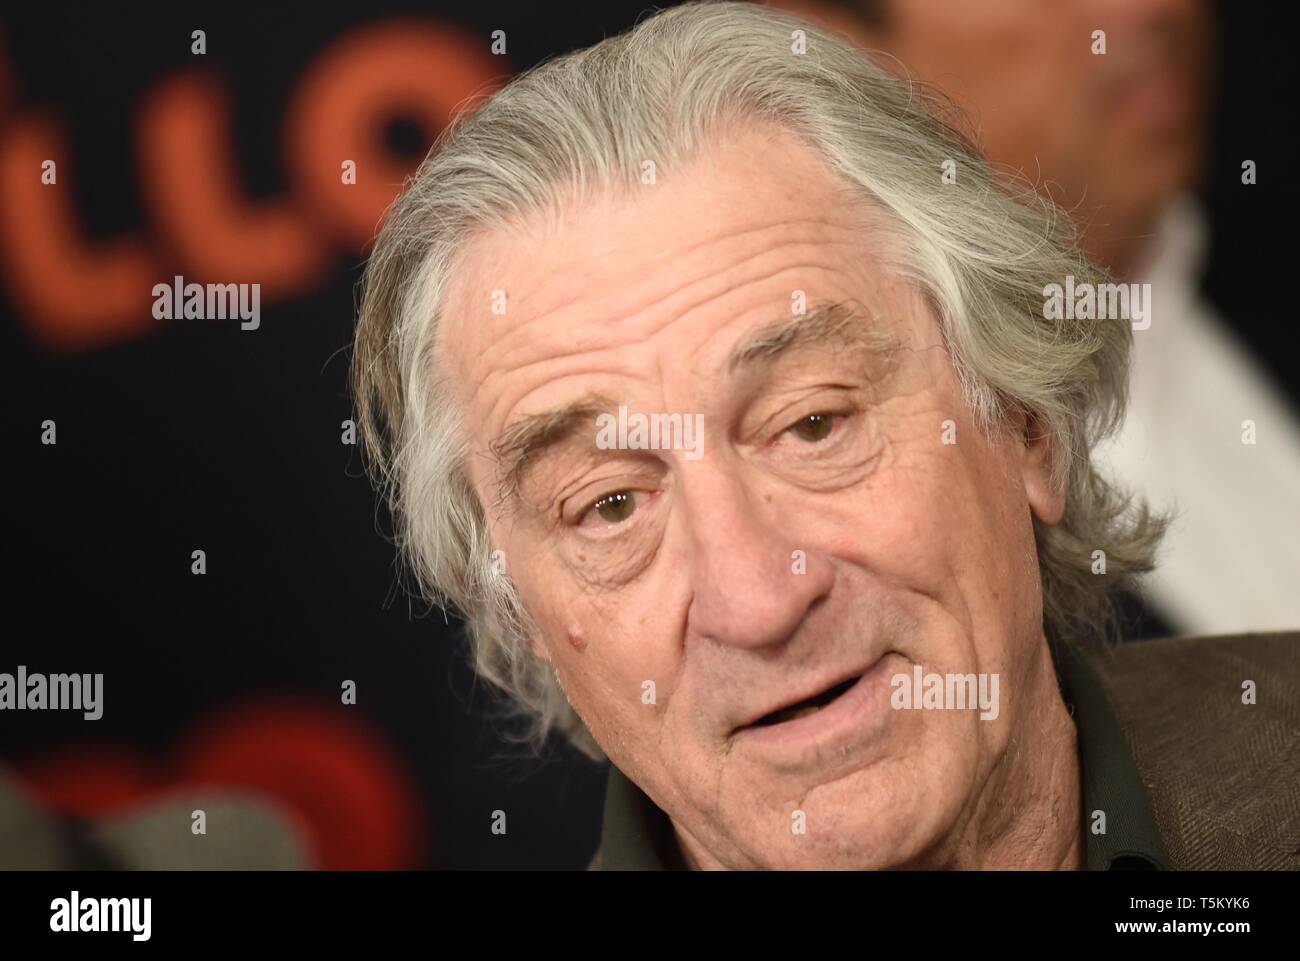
637, 836
1111, 782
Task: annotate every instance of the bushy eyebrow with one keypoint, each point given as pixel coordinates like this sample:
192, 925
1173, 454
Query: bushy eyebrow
828, 325
841, 325
519, 446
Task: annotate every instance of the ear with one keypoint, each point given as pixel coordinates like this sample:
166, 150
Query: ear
1037, 452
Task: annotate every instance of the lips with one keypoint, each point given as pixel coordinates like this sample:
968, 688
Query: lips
833, 725
807, 706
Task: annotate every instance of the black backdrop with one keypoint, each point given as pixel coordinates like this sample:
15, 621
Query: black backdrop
195, 435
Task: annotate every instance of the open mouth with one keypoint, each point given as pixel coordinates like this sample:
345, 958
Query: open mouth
809, 706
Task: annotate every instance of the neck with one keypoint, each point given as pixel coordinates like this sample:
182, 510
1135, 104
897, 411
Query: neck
1028, 816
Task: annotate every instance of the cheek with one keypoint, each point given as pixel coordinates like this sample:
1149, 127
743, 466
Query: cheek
947, 521
618, 674
607, 646
619, 704
990, 531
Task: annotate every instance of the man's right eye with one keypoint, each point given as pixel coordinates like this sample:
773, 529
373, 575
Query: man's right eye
814, 427
612, 508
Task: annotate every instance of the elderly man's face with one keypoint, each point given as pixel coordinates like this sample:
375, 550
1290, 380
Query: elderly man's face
824, 532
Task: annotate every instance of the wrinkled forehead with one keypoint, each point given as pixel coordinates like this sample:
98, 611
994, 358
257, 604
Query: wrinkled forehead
618, 243
637, 283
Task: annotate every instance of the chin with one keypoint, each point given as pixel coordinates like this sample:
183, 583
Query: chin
887, 815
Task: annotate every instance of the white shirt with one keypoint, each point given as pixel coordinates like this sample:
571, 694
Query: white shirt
1231, 559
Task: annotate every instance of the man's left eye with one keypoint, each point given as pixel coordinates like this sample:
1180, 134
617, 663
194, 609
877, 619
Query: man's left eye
814, 427
615, 508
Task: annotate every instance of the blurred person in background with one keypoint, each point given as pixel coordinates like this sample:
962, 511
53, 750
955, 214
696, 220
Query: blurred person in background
1119, 140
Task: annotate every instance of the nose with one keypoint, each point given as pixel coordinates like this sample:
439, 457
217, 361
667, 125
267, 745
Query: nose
753, 581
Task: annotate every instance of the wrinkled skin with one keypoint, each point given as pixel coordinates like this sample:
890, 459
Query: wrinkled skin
915, 551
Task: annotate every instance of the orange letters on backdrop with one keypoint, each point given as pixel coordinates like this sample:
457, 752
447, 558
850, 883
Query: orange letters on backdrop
73, 295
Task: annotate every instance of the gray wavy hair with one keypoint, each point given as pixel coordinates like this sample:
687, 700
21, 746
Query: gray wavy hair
981, 255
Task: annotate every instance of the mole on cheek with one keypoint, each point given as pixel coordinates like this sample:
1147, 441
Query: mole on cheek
576, 639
